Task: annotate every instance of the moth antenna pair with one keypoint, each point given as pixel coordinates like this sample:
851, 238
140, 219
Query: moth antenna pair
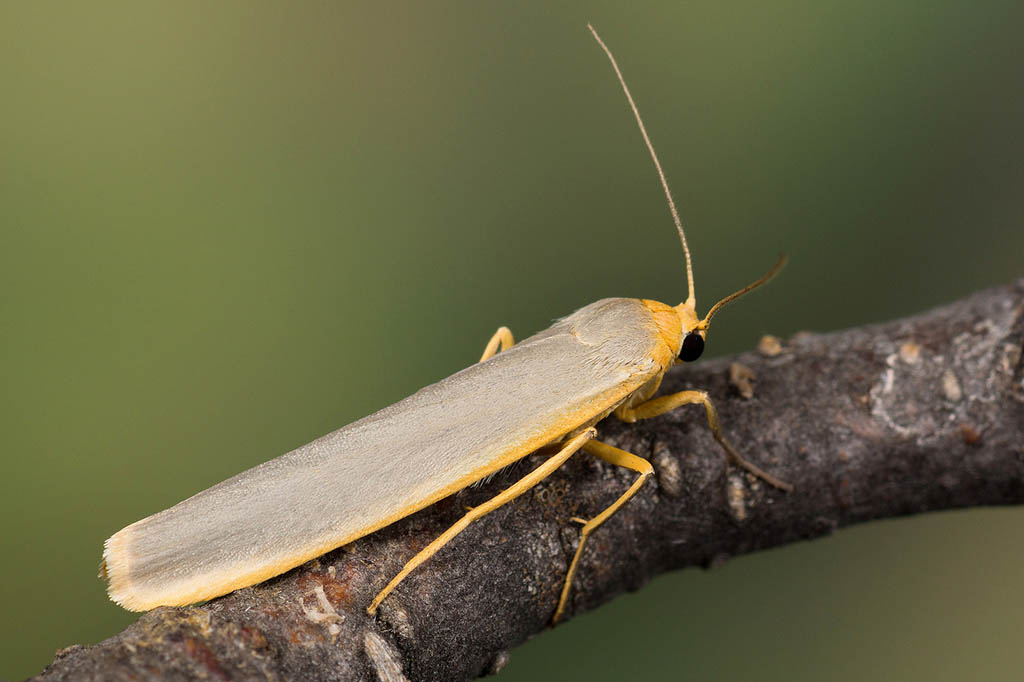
691, 295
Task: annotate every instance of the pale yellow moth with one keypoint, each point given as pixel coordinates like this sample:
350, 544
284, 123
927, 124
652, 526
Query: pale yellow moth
608, 357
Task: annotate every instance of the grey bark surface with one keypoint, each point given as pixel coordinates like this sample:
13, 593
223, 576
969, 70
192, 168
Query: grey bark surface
916, 415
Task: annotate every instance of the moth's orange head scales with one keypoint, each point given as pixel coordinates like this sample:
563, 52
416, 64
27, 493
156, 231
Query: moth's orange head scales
692, 343
680, 332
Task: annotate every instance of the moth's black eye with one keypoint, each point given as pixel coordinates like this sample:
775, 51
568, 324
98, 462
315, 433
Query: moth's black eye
693, 346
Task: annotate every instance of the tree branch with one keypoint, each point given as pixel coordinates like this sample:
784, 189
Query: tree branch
917, 415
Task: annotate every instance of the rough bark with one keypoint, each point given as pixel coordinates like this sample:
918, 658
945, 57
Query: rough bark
916, 415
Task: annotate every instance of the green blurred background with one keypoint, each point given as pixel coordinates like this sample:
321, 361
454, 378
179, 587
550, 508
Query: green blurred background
228, 228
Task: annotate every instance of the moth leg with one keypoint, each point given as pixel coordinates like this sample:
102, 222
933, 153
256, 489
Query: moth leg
665, 403
515, 490
612, 455
503, 337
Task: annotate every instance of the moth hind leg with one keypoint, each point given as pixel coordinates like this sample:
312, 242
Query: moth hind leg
612, 455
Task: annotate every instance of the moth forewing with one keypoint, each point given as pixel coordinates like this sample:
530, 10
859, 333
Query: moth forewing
337, 488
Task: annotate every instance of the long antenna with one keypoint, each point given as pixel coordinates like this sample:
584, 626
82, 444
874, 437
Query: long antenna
691, 298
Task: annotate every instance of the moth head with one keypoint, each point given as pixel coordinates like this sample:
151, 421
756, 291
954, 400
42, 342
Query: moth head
696, 330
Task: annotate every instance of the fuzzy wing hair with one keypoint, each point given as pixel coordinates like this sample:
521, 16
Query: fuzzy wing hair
372, 472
